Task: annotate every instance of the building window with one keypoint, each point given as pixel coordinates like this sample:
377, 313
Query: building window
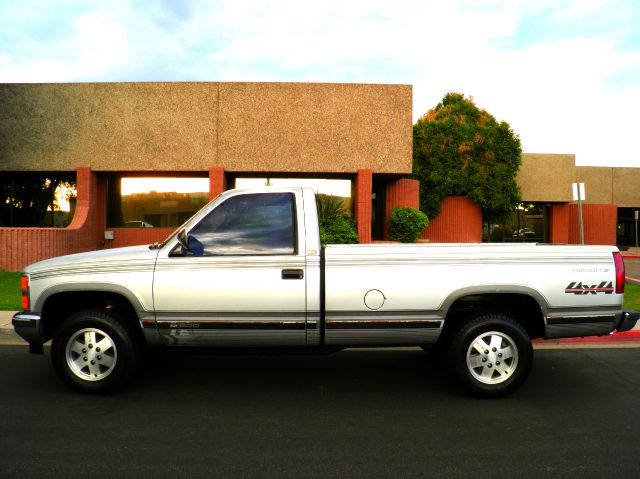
37, 199
627, 227
528, 223
136, 202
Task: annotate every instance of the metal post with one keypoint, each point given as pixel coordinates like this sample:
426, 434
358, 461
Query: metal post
636, 218
580, 215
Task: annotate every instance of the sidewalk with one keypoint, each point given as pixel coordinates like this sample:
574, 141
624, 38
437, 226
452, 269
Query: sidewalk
7, 333
630, 339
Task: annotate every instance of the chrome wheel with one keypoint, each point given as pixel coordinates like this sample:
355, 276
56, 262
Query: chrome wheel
91, 354
492, 357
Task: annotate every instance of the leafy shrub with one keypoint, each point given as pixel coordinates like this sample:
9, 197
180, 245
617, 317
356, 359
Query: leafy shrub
336, 225
340, 230
407, 224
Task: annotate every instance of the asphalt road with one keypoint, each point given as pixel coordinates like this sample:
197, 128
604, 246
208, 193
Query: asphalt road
351, 414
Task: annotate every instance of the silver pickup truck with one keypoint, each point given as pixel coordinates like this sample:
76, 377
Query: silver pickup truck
248, 271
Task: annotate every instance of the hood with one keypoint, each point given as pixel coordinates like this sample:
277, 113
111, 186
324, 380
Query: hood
100, 257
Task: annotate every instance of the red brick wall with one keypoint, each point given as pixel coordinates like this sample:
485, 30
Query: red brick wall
400, 193
459, 221
362, 203
22, 246
600, 223
136, 236
559, 224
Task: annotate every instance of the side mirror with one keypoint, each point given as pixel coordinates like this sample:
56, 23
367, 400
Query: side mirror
194, 246
182, 239
189, 244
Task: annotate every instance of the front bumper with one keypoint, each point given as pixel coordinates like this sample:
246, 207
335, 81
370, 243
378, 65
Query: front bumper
29, 327
627, 320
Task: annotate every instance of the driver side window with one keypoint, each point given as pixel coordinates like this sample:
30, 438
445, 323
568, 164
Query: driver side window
253, 224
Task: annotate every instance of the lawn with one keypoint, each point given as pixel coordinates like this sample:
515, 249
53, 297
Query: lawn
10, 291
632, 296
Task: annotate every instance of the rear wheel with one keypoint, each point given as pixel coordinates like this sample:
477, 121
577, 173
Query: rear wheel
491, 355
95, 352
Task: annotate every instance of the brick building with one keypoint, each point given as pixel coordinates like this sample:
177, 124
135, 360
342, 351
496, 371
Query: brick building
100, 133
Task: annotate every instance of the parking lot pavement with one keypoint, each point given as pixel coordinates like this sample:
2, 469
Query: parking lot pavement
632, 268
370, 414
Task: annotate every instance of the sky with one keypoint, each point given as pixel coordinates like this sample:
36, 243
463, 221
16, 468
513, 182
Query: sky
565, 74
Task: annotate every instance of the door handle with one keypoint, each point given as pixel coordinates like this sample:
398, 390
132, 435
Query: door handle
292, 274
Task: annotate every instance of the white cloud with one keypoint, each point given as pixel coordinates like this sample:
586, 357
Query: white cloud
559, 71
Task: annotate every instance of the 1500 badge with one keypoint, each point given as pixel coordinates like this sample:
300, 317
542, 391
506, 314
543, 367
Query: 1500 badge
580, 288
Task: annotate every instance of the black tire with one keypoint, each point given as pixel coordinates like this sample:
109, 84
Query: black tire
95, 352
491, 355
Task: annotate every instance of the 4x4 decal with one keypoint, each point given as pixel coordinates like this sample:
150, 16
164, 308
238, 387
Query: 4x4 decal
579, 288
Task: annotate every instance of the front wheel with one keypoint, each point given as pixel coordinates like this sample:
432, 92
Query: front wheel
491, 355
95, 352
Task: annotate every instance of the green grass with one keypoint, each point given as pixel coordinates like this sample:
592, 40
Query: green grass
632, 296
10, 291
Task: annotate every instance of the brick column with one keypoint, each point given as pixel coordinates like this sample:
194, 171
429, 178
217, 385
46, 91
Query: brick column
559, 224
217, 182
399, 194
362, 200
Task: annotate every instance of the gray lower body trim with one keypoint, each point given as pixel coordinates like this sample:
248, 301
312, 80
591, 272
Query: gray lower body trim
569, 324
399, 328
226, 329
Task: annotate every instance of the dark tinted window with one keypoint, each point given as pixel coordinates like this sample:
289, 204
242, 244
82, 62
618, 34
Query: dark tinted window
249, 224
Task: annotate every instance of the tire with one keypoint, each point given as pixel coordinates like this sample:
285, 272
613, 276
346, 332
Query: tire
95, 352
491, 355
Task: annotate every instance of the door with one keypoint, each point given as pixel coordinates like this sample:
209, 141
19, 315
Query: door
241, 282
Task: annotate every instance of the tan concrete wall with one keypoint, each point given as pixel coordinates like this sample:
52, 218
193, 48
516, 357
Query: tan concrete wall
626, 191
108, 126
287, 127
598, 184
315, 127
546, 177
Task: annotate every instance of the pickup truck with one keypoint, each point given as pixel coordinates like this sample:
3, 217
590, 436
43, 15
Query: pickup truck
249, 271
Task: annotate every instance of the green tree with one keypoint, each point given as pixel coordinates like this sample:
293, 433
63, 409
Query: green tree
461, 150
31, 199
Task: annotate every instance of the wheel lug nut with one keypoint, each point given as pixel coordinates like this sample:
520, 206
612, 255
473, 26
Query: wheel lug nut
91, 346
84, 350
97, 350
489, 365
499, 355
93, 362
486, 351
99, 357
484, 360
494, 350
84, 359
497, 363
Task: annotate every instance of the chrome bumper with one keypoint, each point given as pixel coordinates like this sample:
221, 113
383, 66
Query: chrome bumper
29, 327
627, 320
